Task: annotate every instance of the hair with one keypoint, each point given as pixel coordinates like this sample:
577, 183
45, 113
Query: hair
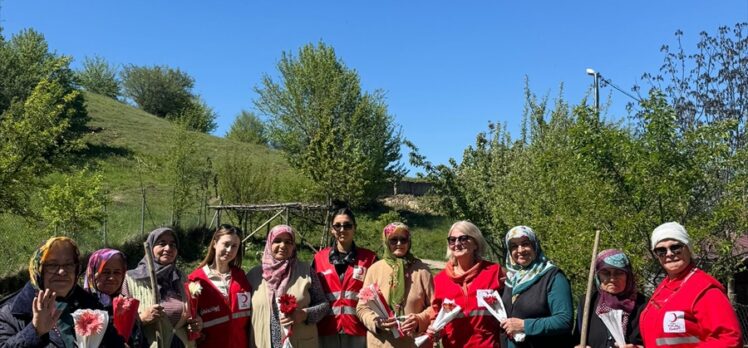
469, 229
224, 230
343, 211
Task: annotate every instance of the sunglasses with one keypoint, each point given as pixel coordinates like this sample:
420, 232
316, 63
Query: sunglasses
341, 227
462, 239
398, 240
676, 249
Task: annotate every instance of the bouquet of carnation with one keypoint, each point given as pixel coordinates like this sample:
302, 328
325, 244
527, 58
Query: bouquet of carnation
492, 303
287, 306
124, 310
193, 289
90, 325
449, 311
373, 298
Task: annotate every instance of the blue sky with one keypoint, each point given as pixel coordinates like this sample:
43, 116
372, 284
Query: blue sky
447, 67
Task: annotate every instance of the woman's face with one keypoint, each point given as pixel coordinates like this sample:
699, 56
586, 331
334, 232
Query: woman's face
109, 280
399, 243
282, 247
59, 269
165, 249
343, 229
226, 248
522, 251
461, 245
612, 280
673, 255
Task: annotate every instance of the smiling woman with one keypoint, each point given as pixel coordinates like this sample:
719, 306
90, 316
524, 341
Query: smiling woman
40, 314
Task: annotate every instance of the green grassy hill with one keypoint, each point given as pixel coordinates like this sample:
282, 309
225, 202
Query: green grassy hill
128, 146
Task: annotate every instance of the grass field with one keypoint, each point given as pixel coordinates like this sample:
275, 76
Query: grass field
128, 147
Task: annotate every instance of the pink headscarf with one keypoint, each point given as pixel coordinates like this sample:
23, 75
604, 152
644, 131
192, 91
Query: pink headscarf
276, 273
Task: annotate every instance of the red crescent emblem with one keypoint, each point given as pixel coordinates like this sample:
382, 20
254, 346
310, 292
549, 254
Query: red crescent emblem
675, 317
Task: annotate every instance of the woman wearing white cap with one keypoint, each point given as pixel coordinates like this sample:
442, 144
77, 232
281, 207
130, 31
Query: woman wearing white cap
689, 308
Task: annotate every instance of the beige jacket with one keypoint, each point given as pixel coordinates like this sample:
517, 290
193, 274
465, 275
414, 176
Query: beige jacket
419, 285
299, 284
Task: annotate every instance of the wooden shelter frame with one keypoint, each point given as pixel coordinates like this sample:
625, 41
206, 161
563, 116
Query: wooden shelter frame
282, 210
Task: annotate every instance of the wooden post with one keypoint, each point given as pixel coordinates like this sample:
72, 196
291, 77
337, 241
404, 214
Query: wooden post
588, 295
154, 286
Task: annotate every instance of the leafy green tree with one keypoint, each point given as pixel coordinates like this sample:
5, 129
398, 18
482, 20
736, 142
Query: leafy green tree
42, 118
197, 116
75, 204
159, 90
340, 137
98, 76
248, 128
186, 172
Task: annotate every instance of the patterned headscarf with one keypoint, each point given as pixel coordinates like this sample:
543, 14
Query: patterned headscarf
96, 263
626, 300
396, 298
277, 272
40, 255
168, 277
520, 278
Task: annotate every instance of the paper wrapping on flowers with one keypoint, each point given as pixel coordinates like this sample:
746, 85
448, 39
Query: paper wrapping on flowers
193, 289
493, 304
286, 306
124, 311
374, 299
613, 320
89, 325
449, 311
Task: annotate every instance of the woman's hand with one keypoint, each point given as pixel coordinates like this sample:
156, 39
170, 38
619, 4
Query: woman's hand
410, 324
513, 326
386, 324
151, 314
194, 324
44, 311
298, 316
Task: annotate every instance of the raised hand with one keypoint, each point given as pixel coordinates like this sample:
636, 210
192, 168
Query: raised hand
44, 312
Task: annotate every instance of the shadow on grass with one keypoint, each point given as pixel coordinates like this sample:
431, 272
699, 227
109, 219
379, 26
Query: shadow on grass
104, 151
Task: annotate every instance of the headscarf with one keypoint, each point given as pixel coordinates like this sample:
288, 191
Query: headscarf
670, 230
40, 255
396, 298
521, 278
96, 263
168, 277
277, 272
626, 300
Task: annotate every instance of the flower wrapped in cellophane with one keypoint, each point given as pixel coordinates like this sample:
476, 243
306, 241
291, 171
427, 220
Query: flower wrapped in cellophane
492, 303
448, 311
90, 325
124, 311
374, 299
287, 306
194, 289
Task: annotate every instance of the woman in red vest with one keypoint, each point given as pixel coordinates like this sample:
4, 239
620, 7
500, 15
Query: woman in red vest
224, 302
465, 276
341, 270
689, 308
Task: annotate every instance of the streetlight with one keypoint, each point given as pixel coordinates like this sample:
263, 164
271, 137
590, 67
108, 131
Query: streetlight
596, 75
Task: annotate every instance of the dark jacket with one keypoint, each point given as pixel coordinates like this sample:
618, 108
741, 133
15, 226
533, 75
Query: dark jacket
15, 320
598, 335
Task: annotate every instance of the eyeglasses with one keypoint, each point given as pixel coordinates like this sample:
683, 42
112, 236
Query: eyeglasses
676, 249
398, 240
341, 227
53, 268
462, 239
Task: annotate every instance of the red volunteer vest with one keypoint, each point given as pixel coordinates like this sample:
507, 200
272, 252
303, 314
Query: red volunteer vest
343, 296
224, 324
476, 327
668, 320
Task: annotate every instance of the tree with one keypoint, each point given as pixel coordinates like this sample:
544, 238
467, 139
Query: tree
97, 76
42, 118
197, 116
186, 171
159, 90
75, 204
340, 137
248, 128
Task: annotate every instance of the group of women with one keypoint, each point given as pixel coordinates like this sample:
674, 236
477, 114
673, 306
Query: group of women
219, 305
